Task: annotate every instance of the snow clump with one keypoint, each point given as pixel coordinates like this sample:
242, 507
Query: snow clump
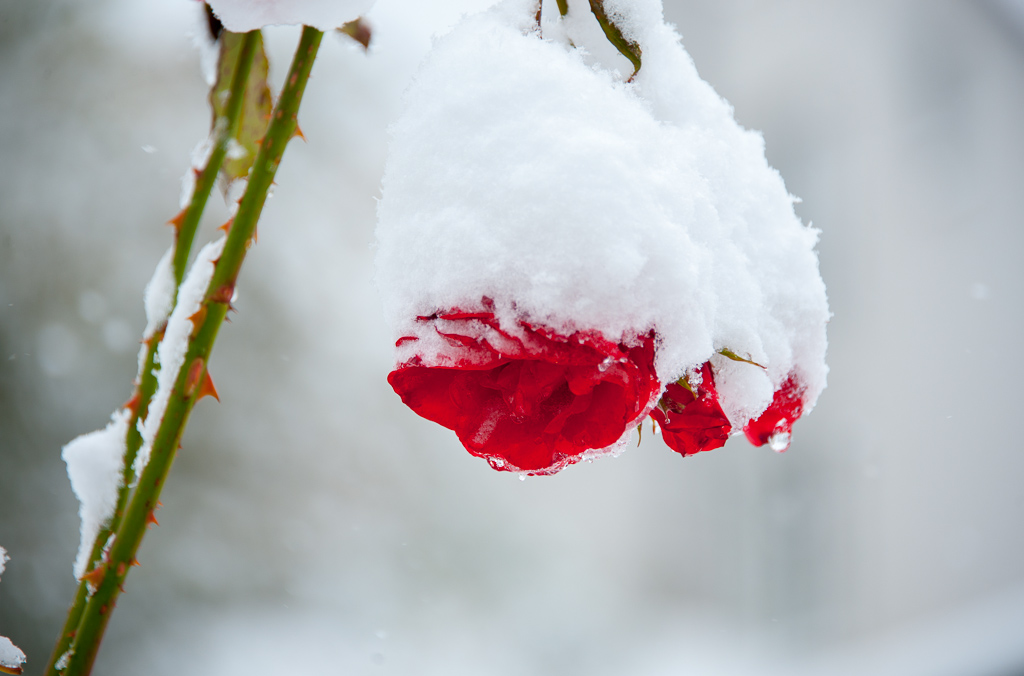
95, 464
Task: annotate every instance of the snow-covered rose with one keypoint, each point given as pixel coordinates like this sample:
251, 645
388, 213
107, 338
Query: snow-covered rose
528, 170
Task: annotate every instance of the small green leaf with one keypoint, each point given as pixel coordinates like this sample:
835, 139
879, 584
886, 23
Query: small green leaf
726, 352
256, 107
359, 31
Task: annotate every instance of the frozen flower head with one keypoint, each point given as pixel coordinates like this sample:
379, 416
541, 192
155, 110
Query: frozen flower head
690, 417
524, 397
533, 168
240, 16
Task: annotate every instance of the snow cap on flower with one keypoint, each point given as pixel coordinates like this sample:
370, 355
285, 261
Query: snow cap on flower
528, 170
240, 16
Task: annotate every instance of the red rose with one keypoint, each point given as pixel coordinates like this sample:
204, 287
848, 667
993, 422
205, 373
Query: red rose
776, 423
690, 417
527, 398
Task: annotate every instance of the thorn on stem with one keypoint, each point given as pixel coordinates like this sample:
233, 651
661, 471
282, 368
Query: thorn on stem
207, 388
198, 317
96, 575
223, 295
133, 402
178, 220
194, 377
151, 519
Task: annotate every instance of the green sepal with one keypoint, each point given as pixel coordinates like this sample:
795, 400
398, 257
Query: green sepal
256, 105
729, 354
627, 48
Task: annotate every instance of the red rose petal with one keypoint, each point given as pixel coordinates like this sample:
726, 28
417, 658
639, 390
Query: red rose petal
539, 403
691, 424
775, 425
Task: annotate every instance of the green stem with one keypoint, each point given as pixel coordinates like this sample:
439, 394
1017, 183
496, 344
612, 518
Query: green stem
193, 369
225, 128
627, 48
145, 384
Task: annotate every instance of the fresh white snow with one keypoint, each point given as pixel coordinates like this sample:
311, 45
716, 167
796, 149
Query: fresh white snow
95, 462
11, 656
246, 15
172, 349
527, 169
159, 295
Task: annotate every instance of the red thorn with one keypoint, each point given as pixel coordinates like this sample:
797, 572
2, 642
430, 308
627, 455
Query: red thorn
133, 403
151, 519
206, 388
120, 569
227, 226
96, 575
298, 132
178, 220
195, 374
223, 295
135, 562
198, 317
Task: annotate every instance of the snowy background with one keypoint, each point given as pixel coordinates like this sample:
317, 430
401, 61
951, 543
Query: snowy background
314, 525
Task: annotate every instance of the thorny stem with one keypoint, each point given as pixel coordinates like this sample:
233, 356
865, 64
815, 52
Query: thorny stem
215, 305
225, 128
145, 385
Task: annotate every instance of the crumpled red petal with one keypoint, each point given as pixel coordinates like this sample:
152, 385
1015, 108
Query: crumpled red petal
775, 425
691, 424
537, 402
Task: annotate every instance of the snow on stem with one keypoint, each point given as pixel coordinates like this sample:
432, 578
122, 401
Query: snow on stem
11, 656
185, 225
188, 384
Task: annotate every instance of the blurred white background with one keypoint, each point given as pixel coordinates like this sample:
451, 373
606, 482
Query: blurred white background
314, 525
